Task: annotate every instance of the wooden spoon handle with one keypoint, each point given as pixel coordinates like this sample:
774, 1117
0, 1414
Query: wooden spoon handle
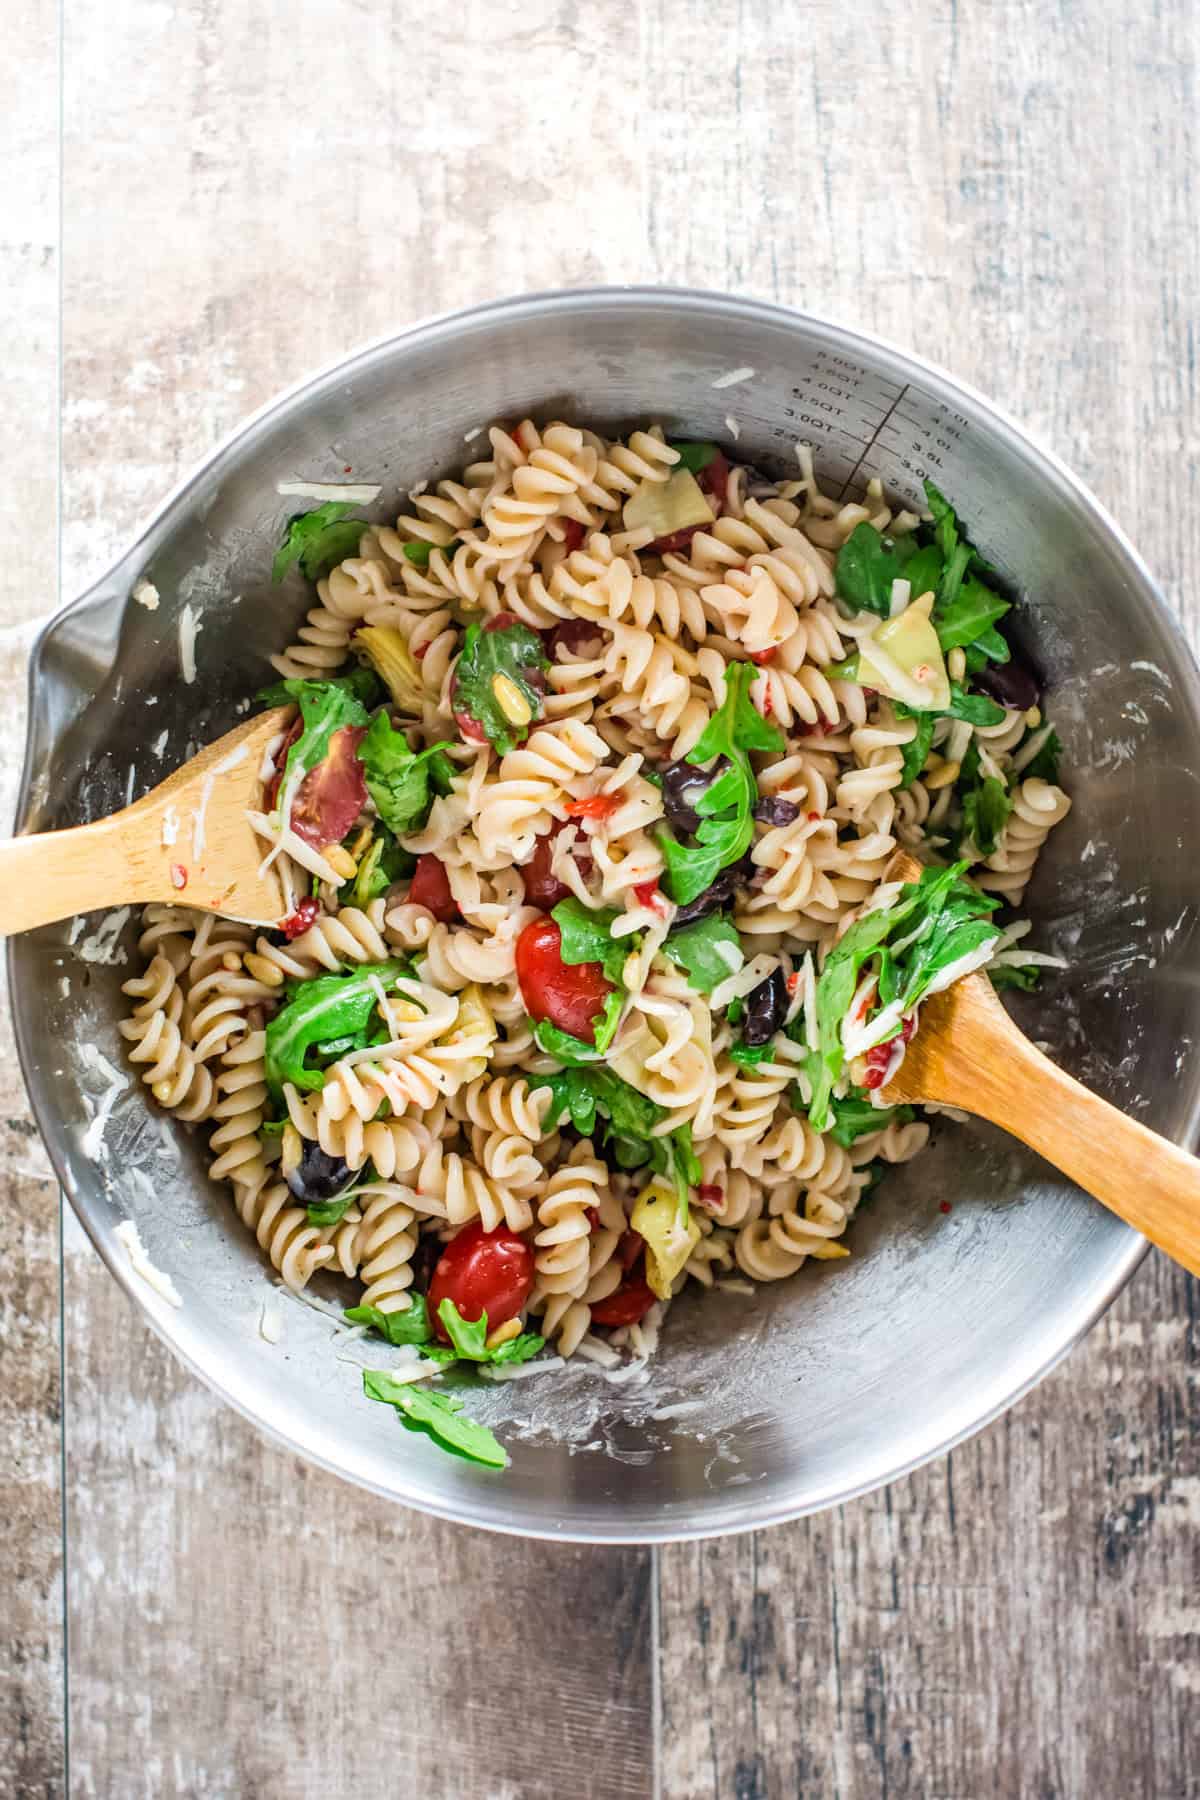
1150, 1183
55, 874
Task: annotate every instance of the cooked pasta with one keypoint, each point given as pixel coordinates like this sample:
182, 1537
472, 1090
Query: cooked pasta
604, 749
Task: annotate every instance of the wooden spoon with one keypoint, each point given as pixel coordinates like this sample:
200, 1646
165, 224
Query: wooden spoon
968, 1053
188, 842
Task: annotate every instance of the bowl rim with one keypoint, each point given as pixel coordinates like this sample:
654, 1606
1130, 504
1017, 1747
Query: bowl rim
429, 330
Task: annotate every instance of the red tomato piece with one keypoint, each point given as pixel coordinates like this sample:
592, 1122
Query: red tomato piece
332, 795
297, 923
647, 894
543, 889
271, 791
710, 1196
629, 1247
714, 480
763, 657
631, 1302
569, 995
572, 535
482, 1272
593, 806
430, 887
470, 728
675, 540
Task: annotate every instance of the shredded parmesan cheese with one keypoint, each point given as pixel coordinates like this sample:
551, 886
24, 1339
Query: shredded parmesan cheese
159, 744
170, 827
189, 625
198, 816
101, 945
146, 594
732, 377
732, 427
353, 493
271, 1322
141, 1265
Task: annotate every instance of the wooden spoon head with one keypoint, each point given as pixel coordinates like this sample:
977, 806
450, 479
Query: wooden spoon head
189, 841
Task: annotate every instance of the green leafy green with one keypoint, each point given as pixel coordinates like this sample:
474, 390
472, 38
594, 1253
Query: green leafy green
855, 1117
321, 1010
1016, 975
868, 564
726, 807
408, 1327
975, 709
986, 809
325, 707
750, 1055
693, 457
587, 936
560, 1044
318, 540
512, 650
439, 1415
469, 1339
330, 1212
362, 685
915, 754
672, 1156
384, 862
970, 618
696, 949
944, 918
402, 781
418, 550
582, 1093
1044, 766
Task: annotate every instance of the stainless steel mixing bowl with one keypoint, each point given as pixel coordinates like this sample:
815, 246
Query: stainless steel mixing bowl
756, 1408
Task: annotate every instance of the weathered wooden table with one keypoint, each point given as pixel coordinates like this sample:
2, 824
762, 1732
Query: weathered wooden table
247, 190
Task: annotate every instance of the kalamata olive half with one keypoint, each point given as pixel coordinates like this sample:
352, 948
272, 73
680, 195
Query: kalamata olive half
771, 810
766, 1009
1012, 684
682, 785
319, 1176
718, 894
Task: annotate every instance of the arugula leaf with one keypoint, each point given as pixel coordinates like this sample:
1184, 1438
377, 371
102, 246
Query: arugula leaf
1025, 976
672, 1155
1044, 766
562, 1045
325, 707
915, 754
976, 709
362, 685
318, 540
696, 949
329, 1212
693, 457
970, 617
469, 1339
726, 807
749, 1055
579, 1094
587, 936
855, 1117
408, 1327
512, 650
319, 1010
986, 809
605, 1023
418, 550
944, 918
402, 781
440, 1415
868, 564
384, 863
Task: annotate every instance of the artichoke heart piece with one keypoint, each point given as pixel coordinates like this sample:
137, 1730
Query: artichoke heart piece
903, 659
666, 507
387, 651
669, 1242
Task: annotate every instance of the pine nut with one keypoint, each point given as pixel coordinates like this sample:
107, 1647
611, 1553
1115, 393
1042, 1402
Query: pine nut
945, 774
503, 1334
1033, 717
341, 862
956, 663
262, 969
511, 700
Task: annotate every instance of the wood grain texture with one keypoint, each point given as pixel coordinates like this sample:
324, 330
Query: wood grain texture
31, 1601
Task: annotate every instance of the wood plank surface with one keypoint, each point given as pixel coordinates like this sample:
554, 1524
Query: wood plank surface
1010, 189
32, 1715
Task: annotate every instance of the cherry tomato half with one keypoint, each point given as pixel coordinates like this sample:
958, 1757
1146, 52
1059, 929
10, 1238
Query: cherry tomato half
570, 995
430, 886
482, 1272
631, 1302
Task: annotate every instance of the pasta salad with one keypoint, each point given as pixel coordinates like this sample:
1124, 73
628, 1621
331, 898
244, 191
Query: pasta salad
591, 975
